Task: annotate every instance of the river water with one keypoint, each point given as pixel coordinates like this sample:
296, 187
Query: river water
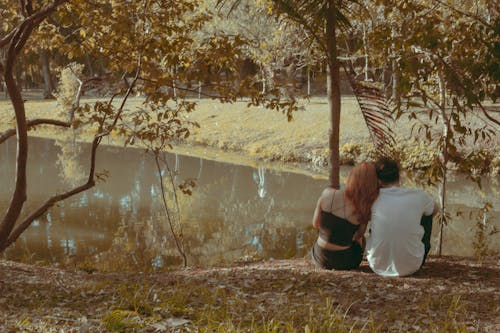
235, 213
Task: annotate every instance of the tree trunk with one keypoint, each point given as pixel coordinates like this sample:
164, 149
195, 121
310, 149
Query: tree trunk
19, 196
395, 71
333, 91
3, 89
395, 82
308, 80
263, 74
445, 121
11, 215
90, 68
208, 76
19, 80
386, 79
47, 78
365, 47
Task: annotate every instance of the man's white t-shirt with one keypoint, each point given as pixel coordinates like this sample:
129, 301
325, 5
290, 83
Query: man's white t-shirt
394, 246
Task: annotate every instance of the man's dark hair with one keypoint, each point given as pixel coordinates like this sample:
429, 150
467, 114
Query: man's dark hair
387, 170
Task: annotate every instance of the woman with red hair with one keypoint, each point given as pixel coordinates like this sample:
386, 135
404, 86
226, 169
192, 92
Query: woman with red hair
342, 216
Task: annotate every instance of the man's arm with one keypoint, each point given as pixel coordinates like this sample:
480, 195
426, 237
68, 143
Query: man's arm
436, 209
431, 206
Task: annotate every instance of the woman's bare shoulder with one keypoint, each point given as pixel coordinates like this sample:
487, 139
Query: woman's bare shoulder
329, 191
331, 197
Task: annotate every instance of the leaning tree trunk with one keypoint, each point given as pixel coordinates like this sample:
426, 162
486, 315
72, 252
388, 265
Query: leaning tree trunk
47, 78
12, 46
19, 196
333, 91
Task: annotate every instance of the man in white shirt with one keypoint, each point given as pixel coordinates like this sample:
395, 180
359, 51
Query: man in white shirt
401, 225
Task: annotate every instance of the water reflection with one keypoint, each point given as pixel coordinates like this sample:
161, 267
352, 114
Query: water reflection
234, 211
259, 177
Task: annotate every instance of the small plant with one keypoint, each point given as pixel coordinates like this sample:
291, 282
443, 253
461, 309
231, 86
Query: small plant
87, 266
356, 152
121, 321
449, 323
329, 319
349, 153
135, 298
68, 86
483, 230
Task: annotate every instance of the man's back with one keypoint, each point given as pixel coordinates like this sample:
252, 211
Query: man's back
394, 247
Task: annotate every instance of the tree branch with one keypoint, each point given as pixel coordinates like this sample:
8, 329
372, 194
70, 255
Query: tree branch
36, 17
89, 184
21, 34
469, 15
43, 13
487, 115
22, 7
127, 94
32, 123
459, 81
297, 18
6, 40
21, 227
178, 243
29, 7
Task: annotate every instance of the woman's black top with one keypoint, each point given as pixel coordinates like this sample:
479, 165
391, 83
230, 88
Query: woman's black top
336, 230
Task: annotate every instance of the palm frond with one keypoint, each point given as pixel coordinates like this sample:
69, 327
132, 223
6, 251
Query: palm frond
231, 3
376, 112
309, 14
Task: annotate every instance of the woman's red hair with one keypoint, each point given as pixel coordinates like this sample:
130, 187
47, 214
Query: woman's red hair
362, 190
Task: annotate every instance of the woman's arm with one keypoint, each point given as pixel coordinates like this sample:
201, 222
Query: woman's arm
317, 214
358, 235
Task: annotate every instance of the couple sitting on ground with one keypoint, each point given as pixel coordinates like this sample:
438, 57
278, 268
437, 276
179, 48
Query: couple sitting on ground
400, 222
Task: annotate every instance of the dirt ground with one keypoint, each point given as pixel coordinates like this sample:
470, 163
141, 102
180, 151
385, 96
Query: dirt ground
448, 295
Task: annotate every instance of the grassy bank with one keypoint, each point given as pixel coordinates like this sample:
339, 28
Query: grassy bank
250, 135
235, 132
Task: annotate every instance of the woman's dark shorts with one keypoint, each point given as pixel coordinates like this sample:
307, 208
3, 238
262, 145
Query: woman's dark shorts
338, 260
